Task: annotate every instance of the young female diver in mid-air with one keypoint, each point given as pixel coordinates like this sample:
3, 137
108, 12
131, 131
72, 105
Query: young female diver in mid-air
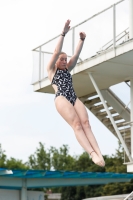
66, 101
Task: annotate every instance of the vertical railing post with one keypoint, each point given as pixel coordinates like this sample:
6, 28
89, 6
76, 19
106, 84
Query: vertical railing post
114, 26
73, 44
40, 66
130, 19
131, 96
73, 40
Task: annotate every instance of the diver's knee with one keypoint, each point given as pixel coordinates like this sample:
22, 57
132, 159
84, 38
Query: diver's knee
86, 124
77, 125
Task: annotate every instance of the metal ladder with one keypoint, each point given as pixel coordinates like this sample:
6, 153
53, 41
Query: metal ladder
118, 110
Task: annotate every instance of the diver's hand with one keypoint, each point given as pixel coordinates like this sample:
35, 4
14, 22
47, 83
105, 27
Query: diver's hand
66, 27
82, 35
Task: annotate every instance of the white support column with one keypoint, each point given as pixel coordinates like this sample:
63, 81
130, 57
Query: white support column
24, 190
110, 116
131, 19
131, 95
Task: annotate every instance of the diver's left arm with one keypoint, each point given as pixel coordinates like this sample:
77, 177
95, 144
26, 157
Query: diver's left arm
73, 61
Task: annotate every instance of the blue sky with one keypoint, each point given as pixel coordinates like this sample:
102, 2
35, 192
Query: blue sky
27, 117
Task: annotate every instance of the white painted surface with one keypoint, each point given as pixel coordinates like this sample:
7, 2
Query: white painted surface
15, 195
129, 166
131, 18
131, 116
35, 195
114, 197
54, 196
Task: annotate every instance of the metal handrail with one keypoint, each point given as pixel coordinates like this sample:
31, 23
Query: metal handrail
117, 36
80, 23
52, 53
39, 48
128, 196
112, 40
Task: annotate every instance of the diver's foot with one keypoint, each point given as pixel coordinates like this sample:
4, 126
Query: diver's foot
101, 157
98, 160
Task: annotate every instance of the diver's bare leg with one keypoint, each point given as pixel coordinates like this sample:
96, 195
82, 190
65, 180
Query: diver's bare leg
67, 111
83, 115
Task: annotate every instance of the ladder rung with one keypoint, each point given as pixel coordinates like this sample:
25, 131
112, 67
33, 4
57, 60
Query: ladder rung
126, 134
100, 107
112, 111
93, 101
101, 113
120, 125
118, 117
125, 130
104, 120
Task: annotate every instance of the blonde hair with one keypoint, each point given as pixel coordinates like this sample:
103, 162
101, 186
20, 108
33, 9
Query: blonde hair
62, 53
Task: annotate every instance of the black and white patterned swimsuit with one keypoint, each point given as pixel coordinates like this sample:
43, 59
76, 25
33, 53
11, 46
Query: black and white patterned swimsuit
63, 80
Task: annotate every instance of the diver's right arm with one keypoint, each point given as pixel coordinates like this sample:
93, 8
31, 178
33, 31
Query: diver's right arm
56, 54
58, 48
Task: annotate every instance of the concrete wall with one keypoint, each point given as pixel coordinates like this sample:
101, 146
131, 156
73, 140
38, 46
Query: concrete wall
15, 195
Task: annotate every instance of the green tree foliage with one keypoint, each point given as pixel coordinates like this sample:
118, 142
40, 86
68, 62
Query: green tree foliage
11, 163
117, 188
2, 158
41, 159
80, 192
68, 193
53, 158
60, 159
115, 162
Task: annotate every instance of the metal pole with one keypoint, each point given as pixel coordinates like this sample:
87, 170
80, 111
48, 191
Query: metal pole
42, 73
130, 19
110, 116
128, 196
73, 44
131, 95
40, 66
24, 190
114, 27
73, 40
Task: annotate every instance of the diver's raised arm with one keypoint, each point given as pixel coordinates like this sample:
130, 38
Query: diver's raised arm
58, 48
74, 58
